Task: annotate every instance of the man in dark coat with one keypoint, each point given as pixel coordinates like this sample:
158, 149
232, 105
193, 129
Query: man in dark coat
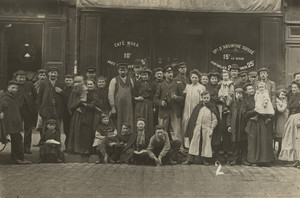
26, 100
236, 126
169, 97
69, 81
181, 76
50, 98
158, 78
12, 121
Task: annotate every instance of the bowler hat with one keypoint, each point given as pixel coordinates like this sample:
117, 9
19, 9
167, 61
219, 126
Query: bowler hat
234, 66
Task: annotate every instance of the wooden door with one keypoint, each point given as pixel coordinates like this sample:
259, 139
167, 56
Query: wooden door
55, 46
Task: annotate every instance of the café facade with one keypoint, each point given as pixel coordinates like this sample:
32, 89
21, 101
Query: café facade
209, 35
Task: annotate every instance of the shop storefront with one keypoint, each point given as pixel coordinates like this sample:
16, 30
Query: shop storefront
208, 35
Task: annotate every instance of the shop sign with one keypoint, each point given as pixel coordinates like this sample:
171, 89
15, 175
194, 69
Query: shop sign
125, 50
240, 6
227, 54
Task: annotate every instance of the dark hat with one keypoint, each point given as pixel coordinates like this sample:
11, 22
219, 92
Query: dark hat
247, 85
216, 74
69, 76
126, 124
21, 72
91, 69
157, 69
234, 66
146, 70
13, 82
168, 68
41, 71
243, 72
52, 69
122, 65
263, 69
239, 90
181, 64
252, 73
158, 127
138, 62
295, 74
51, 121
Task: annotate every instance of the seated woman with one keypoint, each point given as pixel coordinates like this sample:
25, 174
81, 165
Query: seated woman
50, 150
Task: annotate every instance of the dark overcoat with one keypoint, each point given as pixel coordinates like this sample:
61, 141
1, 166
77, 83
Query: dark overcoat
27, 93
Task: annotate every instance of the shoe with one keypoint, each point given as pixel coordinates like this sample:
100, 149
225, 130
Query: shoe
171, 162
187, 163
245, 163
23, 162
27, 151
233, 163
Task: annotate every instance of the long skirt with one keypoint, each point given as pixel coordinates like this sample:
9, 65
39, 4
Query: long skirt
260, 142
145, 110
291, 139
81, 134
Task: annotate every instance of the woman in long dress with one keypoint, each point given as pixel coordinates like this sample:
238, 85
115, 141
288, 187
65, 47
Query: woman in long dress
193, 97
291, 138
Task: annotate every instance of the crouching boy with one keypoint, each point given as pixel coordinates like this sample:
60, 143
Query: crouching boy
160, 149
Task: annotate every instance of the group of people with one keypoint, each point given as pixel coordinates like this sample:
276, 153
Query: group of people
150, 117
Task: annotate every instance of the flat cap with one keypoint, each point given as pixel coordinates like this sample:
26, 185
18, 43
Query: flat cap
41, 71
69, 76
263, 69
168, 68
181, 64
158, 127
247, 85
21, 72
157, 69
146, 70
252, 73
91, 69
13, 82
122, 65
52, 69
243, 73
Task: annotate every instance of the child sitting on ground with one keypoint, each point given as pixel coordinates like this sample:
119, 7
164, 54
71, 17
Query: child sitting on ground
263, 104
50, 150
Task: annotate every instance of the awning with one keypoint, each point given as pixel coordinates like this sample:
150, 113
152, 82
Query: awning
230, 6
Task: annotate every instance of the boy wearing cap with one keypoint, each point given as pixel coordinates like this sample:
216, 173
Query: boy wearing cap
244, 79
50, 98
12, 121
90, 73
181, 76
69, 82
169, 97
234, 73
236, 126
120, 95
26, 100
160, 149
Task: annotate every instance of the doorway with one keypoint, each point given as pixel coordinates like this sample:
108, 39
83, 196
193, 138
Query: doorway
22, 46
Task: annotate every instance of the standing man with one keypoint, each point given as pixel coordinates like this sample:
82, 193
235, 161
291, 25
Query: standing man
50, 98
138, 67
90, 73
158, 78
253, 78
263, 75
234, 72
12, 121
69, 82
243, 79
26, 100
181, 76
120, 93
169, 97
